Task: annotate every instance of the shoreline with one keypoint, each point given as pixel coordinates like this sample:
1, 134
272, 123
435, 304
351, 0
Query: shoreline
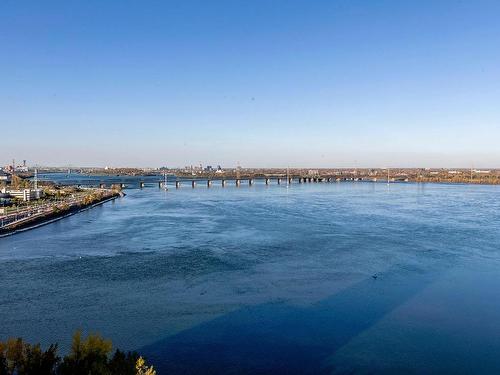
53, 217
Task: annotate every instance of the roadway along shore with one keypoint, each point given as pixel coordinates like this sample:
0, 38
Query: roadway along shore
57, 212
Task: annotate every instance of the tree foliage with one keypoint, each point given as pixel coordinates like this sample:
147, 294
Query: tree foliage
19, 183
18, 357
92, 197
143, 369
88, 356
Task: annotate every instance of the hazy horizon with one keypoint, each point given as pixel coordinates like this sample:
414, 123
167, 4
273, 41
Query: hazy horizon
337, 165
266, 84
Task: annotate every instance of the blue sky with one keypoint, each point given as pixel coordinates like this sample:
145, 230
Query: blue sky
263, 83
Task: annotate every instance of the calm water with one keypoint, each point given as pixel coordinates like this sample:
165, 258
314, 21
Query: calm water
271, 280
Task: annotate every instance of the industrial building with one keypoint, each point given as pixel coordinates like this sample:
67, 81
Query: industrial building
24, 194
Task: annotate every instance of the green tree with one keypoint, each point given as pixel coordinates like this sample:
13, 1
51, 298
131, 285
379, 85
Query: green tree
37, 361
3, 360
19, 183
123, 363
20, 358
87, 357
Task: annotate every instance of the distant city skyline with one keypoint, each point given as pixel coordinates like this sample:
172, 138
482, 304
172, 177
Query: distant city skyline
337, 163
263, 83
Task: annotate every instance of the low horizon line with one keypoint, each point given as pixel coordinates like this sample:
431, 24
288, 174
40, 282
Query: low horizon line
255, 167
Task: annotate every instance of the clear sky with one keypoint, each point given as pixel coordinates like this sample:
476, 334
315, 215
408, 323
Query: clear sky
262, 82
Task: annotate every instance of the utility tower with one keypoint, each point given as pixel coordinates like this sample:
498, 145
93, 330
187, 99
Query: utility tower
238, 171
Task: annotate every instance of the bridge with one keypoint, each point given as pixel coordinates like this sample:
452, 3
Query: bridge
127, 182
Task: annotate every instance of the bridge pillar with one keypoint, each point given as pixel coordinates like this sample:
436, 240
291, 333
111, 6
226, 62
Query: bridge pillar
279, 181
209, 183
267, 181
289, 180
102, 186
160, 184
122, 185
193, 184
238, 182
141, 184
250, 182
223, 183
177, 184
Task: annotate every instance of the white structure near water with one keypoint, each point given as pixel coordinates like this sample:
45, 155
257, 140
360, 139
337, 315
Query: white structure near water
25, 194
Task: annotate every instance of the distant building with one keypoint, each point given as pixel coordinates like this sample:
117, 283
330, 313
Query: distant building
19, 168
5, 199
25, 194
4, 176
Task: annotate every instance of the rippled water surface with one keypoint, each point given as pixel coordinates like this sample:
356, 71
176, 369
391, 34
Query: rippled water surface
316, 278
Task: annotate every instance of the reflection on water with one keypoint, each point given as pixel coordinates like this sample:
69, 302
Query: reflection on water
311, 279
281, 338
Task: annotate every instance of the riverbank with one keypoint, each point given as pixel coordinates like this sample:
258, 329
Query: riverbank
45, 218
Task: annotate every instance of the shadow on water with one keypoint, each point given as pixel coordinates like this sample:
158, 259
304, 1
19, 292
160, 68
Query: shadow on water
282, 339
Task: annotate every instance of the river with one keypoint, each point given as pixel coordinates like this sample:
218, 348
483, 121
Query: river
314, 278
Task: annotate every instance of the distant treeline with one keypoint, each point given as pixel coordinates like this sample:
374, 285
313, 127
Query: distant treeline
89, 356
